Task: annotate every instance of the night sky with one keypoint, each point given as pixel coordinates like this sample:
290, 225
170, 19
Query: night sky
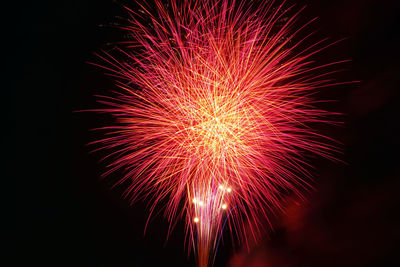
58, 212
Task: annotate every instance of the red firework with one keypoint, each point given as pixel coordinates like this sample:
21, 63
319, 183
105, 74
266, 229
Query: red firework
213, 114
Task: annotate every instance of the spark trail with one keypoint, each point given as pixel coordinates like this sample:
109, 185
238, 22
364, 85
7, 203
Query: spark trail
213, 113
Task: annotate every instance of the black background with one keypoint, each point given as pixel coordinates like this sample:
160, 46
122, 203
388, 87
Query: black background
57, 211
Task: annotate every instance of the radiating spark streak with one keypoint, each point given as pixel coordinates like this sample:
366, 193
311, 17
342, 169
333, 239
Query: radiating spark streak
214, 111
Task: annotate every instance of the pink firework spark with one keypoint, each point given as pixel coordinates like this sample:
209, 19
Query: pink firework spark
213, 114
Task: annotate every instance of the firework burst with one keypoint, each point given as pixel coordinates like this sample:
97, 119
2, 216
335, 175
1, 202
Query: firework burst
213, 114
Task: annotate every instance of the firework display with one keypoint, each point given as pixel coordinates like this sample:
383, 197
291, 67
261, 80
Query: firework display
213, 114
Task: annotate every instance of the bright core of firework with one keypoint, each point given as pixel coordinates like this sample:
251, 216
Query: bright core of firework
213, 114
